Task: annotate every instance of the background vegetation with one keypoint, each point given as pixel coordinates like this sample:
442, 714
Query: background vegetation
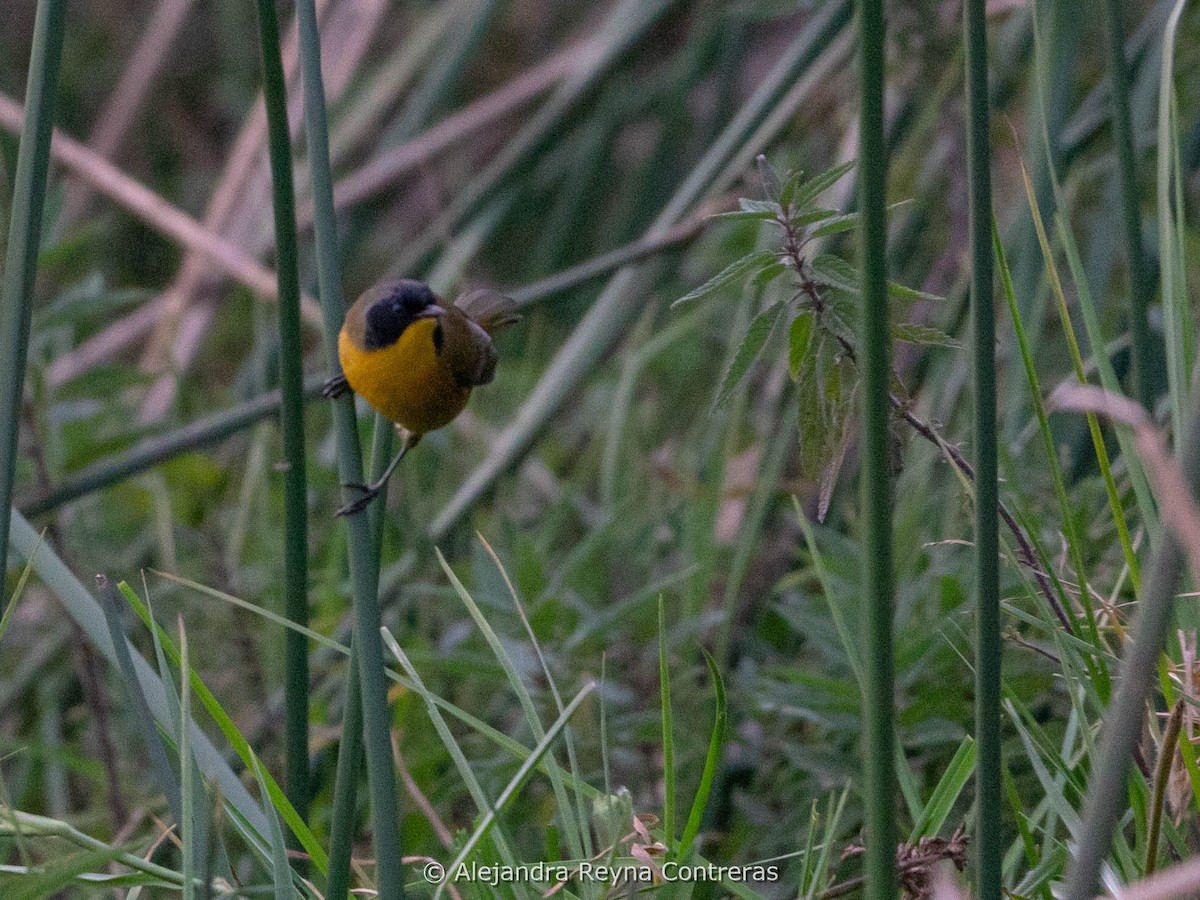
650, 488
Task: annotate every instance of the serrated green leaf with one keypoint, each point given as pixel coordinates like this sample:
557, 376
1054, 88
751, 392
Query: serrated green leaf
817, 214
907, 294
788, 194
730, 274
751, 346
923, 335
742, 215
759, 206
812, 189
799, 342
769, 273
834, 272
836, 225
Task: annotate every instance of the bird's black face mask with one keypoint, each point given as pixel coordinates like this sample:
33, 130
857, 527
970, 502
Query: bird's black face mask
389, 316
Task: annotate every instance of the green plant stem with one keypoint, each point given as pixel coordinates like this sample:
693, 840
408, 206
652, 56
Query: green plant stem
364, 572
345, 787
1162, 775
875, 481
1141, 278
1106, 796
989, 845
24, 241
291, 382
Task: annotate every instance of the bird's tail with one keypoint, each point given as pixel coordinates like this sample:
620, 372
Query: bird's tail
489, 309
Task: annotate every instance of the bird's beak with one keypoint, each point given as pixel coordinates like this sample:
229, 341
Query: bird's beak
431, 312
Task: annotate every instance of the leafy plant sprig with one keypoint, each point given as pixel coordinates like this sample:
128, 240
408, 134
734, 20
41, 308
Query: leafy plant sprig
819, 303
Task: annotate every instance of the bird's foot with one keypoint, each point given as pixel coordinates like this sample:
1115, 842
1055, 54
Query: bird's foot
335, 387
367, 494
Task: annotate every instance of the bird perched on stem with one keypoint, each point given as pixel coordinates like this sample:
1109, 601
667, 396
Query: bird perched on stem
416, 359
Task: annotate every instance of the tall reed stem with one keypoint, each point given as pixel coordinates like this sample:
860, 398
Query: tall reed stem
24, 240
875, 482
291, 382
364, 570
988, 648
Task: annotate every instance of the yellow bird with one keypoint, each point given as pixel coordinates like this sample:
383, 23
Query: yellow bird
416, 359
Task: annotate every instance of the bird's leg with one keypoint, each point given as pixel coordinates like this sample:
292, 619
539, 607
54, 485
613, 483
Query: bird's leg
335, 387
369, 492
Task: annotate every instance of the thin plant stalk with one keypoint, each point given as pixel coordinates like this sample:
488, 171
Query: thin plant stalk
875, 481
989, 842
364, 572
345, 787
24, 240
1141, 284
1106, 798
1162, 776
291, 383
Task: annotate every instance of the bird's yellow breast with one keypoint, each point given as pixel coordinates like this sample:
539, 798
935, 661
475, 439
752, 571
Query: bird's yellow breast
406, 381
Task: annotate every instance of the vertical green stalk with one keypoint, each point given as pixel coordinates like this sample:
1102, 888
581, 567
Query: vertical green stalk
1106, 799
345, 786
24, 240
364, 571
291, 382
988, 647
876, 488
1141, 284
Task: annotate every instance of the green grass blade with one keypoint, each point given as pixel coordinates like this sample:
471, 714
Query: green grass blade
281, 872
954, 778
227, 727
1073, 538
515, 784
465, 772
712, 759
1110, 486
570, 826
668, 730
1106, 796
187, 824
24, 241
159, 762
1176, 311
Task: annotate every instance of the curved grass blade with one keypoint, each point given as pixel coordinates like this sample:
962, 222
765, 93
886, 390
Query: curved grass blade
225, 723
515, 784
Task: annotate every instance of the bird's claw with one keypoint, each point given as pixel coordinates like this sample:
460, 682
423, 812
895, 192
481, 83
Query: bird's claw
356, 506
335, 387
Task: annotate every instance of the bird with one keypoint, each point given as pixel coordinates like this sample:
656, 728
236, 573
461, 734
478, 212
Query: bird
416, 358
